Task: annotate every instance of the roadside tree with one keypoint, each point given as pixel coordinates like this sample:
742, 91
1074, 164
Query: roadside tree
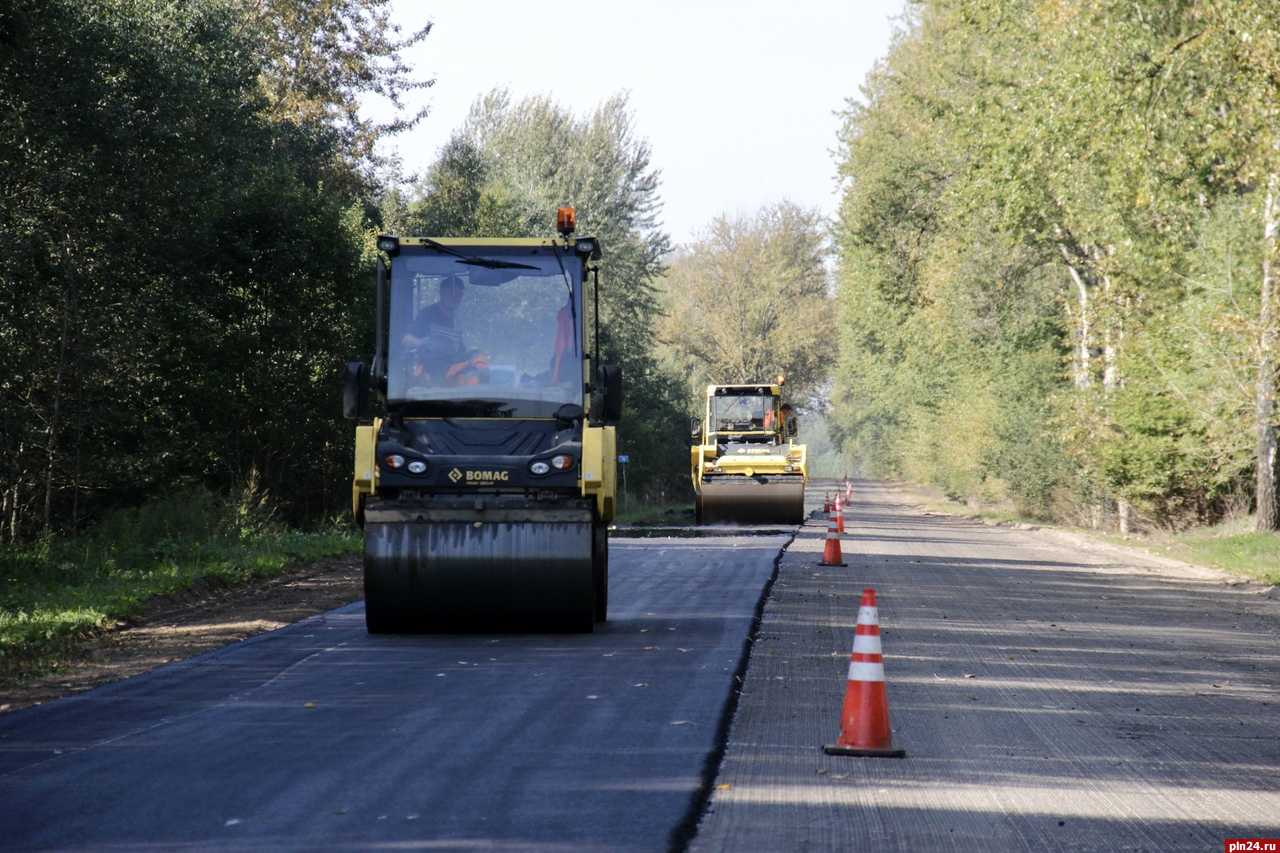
749, 299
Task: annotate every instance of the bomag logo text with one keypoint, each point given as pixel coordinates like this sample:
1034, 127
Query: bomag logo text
475, 478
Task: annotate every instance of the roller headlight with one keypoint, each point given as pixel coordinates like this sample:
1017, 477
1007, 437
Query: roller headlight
555, 463
395, 461
417, 466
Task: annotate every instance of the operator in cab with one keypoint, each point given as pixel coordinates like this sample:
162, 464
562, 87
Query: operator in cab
436, 339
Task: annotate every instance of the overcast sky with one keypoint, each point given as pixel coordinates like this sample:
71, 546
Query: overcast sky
738, 99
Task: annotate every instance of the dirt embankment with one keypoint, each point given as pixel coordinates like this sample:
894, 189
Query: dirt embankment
204, 619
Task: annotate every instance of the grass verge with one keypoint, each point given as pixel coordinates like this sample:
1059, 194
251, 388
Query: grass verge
655, 514
57, 594
1234, 547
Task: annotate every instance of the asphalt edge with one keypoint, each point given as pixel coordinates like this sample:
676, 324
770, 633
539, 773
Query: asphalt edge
684, 832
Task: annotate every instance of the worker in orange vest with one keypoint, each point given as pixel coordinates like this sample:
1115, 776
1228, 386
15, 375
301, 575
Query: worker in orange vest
769, 417
566, 342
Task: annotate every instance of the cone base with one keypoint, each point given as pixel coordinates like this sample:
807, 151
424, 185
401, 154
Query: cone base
887, 752
825, 563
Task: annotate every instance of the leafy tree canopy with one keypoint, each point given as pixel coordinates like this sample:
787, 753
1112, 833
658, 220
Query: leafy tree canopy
317, 58
750, 299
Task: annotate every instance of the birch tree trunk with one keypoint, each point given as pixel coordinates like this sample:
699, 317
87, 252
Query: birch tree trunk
1081, 373
1265, 397
1082, 361
1113, 378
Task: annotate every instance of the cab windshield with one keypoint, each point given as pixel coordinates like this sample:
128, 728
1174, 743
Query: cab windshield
484, 331
743, 412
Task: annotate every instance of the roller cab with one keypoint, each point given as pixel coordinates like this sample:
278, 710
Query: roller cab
486, 479
746, 467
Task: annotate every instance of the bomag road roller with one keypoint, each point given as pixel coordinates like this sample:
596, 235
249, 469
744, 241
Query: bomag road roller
486, 478
746, 467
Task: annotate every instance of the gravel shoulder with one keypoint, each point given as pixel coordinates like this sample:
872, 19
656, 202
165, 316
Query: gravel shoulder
1052, 692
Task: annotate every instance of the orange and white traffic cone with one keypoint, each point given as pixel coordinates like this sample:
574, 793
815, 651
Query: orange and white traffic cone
831, 550
848, 491
839, 515
864, 719
826, 503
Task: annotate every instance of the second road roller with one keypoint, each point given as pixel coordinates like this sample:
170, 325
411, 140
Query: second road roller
746, 467
486, 461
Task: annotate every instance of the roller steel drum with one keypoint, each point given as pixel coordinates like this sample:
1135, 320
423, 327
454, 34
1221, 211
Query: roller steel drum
479, 575
752, 500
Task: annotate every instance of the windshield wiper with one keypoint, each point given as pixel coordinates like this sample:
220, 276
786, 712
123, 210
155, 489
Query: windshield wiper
471, 260
491, 264
573, 309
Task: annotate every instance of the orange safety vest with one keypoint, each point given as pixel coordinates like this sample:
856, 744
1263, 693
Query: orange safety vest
469, 372
564, 340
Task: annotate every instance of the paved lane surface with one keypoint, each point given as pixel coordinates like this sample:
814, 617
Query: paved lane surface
1049, 697
321, 737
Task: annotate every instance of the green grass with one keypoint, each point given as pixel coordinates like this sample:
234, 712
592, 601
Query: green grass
56, 594
657, 514
1244, 552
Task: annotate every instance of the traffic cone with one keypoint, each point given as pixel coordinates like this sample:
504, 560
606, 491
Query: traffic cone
848, 491
839, 515
864, 719
831, 550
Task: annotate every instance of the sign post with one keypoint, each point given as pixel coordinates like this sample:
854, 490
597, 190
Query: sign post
623, 460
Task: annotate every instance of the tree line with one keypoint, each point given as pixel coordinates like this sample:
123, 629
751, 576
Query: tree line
1056, 250
1053, 260
183, 191
188, 200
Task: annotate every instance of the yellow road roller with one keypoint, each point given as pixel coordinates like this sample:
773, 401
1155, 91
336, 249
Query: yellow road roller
485, 461
746, 467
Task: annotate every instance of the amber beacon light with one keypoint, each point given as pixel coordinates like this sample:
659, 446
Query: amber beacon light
566, 221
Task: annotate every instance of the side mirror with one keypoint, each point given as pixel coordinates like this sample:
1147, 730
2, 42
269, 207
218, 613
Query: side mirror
609, 392
792, 425
695, 429
355, 392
